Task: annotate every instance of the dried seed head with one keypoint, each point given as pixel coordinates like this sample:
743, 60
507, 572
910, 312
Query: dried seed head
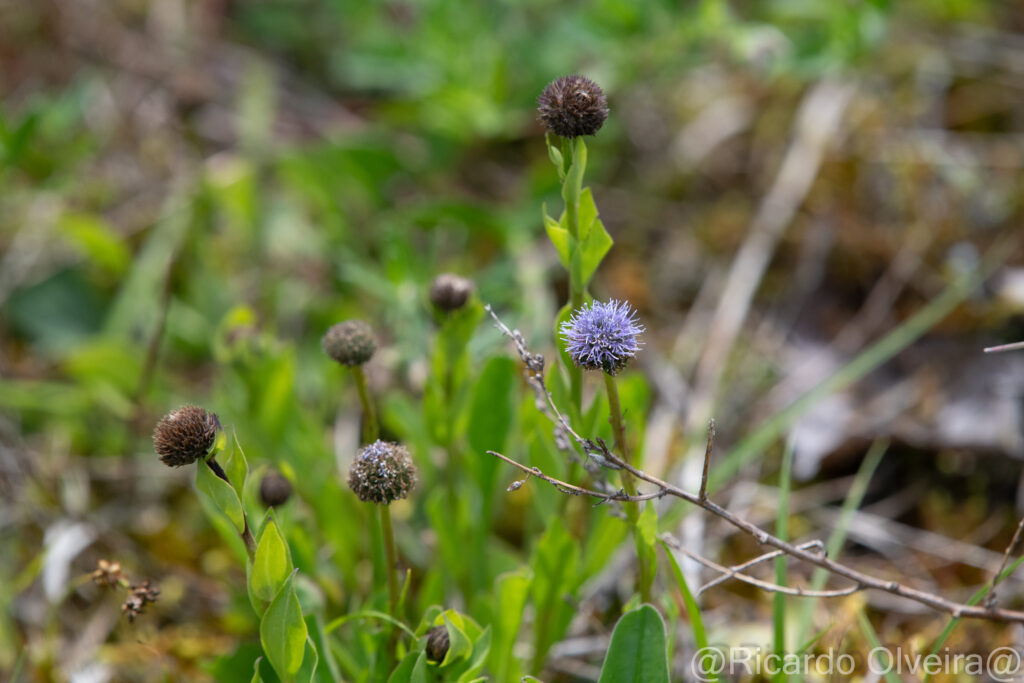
108, 573
450, 292
141, 594
185, 435
437, 643
382, 473
350, 343
275, 489
572, 106
602, 336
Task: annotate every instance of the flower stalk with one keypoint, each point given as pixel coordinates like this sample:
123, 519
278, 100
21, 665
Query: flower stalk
371, 428
628, 484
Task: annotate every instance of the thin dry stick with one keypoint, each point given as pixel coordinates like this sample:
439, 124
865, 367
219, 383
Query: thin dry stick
731, 573
816, 544
707, 460
990, 597
861, 580
1015, 346
599, 451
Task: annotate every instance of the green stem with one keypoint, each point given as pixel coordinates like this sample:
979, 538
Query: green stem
391, 558
628, 483
571, 189
250, 542
371, 430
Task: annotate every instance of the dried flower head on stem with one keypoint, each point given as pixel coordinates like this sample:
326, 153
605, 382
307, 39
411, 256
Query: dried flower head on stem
572, 106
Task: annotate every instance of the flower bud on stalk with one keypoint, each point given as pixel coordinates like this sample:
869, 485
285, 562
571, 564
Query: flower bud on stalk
350, 343
275, 489
450, 292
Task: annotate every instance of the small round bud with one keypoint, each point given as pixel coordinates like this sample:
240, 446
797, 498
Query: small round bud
450, 292
602, 336
572, 106
382, 473
185, 435
275, 489
437, 643
350, 343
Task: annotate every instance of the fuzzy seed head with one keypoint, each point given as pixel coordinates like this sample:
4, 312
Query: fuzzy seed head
350, 343
572, 106
185, 435
450, 292
602, 336
438, 643
382, 473
275, 489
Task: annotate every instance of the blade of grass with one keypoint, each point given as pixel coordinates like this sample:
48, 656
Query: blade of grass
700, 636
782, 531
869, 633
836, 539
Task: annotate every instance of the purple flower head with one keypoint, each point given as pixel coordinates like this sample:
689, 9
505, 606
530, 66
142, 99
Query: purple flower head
602, 336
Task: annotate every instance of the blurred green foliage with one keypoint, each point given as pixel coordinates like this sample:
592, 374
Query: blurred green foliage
149, 259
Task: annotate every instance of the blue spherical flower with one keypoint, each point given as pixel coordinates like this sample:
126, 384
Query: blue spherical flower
602, 336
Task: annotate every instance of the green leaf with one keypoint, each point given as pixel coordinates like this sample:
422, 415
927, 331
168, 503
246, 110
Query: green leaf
272, 564
573, 182
700, 637
593, 246
97, 240
459, 644
491, 418
512, 591
221, 494
556, 157
559, 237
555, 574
637, 653
412, 669
310, 662
587, 215
256, 671
283, 632
237, 467
477, 658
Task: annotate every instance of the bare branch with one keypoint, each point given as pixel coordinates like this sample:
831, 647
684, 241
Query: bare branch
732, 573
707, 460
816, 544
535, 366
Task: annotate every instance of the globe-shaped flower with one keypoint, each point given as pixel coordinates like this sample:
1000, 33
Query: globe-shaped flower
572, 106
382, 473
350, 342
185, 435
602, 336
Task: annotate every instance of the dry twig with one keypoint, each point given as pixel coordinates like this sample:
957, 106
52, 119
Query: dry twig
598, 450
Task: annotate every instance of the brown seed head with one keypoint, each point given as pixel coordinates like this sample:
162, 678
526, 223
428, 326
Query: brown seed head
185, 435
572, 106
141, 594
275, 489
437, 643
108, 573
350, 342
382, 473
450, 292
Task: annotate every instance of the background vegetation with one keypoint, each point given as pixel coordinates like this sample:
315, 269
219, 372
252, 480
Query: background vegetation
192, 192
